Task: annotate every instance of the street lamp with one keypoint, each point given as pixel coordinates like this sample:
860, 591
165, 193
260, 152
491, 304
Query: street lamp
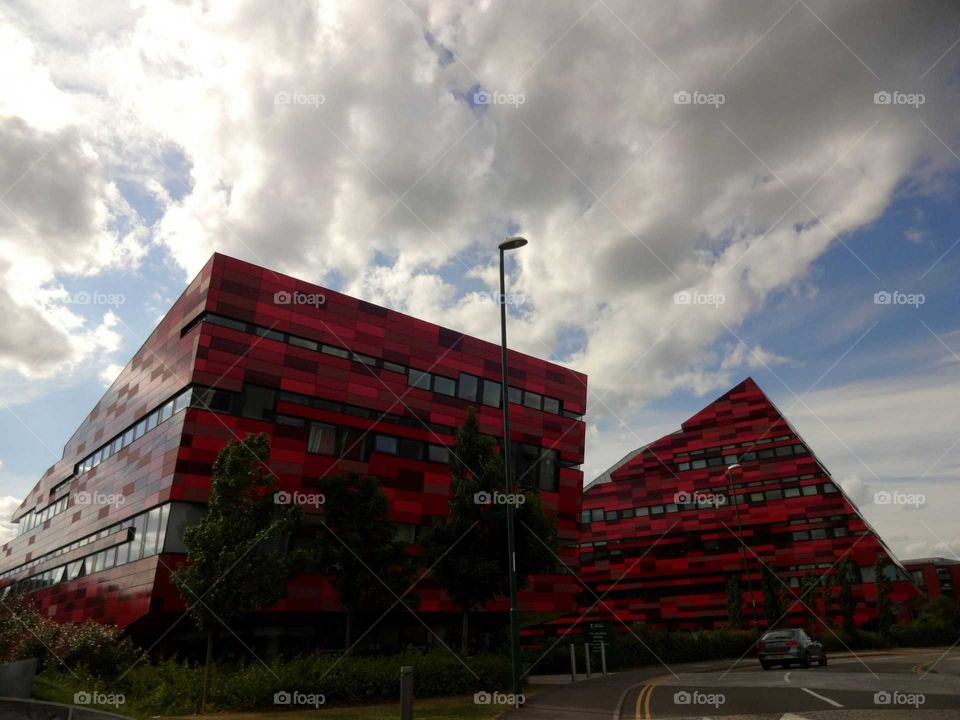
743, 546
511, 243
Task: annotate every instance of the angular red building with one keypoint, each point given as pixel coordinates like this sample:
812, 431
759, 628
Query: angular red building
661, 530
340, 385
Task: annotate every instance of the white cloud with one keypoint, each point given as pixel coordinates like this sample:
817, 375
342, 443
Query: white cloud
8, 504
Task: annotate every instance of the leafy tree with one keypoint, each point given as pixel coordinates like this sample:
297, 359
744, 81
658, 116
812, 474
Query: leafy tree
359, 550
468, 549
883, 587
231, 568
848, 603
772, 596
734, 600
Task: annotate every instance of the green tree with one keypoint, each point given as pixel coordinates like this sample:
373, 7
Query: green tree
468, 549
734, 603
771, 587
848, 603
884, 587
235, 563
359, 550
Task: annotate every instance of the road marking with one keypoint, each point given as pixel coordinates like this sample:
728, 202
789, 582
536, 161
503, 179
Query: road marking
791, 716
643, 700
821, 697
786, 676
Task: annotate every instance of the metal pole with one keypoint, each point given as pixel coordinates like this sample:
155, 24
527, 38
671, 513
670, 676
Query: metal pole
406, 692
508, 471
603, 657
573, 663
743, 550
586, 654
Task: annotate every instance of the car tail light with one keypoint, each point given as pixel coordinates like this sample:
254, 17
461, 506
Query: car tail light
791, 643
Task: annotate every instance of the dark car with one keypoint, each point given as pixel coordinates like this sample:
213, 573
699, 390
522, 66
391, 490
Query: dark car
789, 647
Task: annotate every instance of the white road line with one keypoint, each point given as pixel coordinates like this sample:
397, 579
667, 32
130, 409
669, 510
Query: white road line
786, 676
821, 697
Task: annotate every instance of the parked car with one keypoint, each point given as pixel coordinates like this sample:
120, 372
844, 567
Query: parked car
789, 647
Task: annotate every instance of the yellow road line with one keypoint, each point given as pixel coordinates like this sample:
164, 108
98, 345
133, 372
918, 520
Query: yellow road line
643, 699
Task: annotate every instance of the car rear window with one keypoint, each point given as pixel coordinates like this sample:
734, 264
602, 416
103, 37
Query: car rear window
780, 635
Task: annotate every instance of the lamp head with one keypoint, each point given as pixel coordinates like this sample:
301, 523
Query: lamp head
512, 243
734, 466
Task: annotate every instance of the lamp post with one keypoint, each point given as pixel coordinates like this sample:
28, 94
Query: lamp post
743, 547
511, 243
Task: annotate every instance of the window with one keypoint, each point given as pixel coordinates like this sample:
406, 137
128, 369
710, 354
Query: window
626, 514
527, 458
809, 489
335, 351
269, 334
468, 386
419, 379
697, 464
166, 412
412, 449
818, 534
756, 497
596, 515
365, 359
491, 393
76, 570
766, 453
829, 488
182, 401
683, 466
351, 444
748, 457
226, 322
514, 395
394, 367
385, 444
152, 532
610, 516
656, 509
438, 454
139, 429
533, 400
791, 492
549, 471
109, 558
258, 402
123, 553
152, 420
304, 343
406, 533
715, 462
642, 511
840, 532
444, 385
774, 494
584, 517
551, 405
322, 439
139, 531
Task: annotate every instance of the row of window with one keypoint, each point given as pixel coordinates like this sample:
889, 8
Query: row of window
29, 521
134, 432
700, 502
721, 448
726, 460
468, 387
146, 533
533, 466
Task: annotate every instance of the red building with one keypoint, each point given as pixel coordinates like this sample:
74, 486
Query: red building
936, 576
661, 531
340, 385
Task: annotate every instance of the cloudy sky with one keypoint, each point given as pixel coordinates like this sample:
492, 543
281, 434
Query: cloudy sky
711, 191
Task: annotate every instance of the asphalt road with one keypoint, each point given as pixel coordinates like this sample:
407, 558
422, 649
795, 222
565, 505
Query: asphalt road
899, 684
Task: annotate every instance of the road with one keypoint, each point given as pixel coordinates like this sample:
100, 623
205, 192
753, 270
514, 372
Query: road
898, 684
